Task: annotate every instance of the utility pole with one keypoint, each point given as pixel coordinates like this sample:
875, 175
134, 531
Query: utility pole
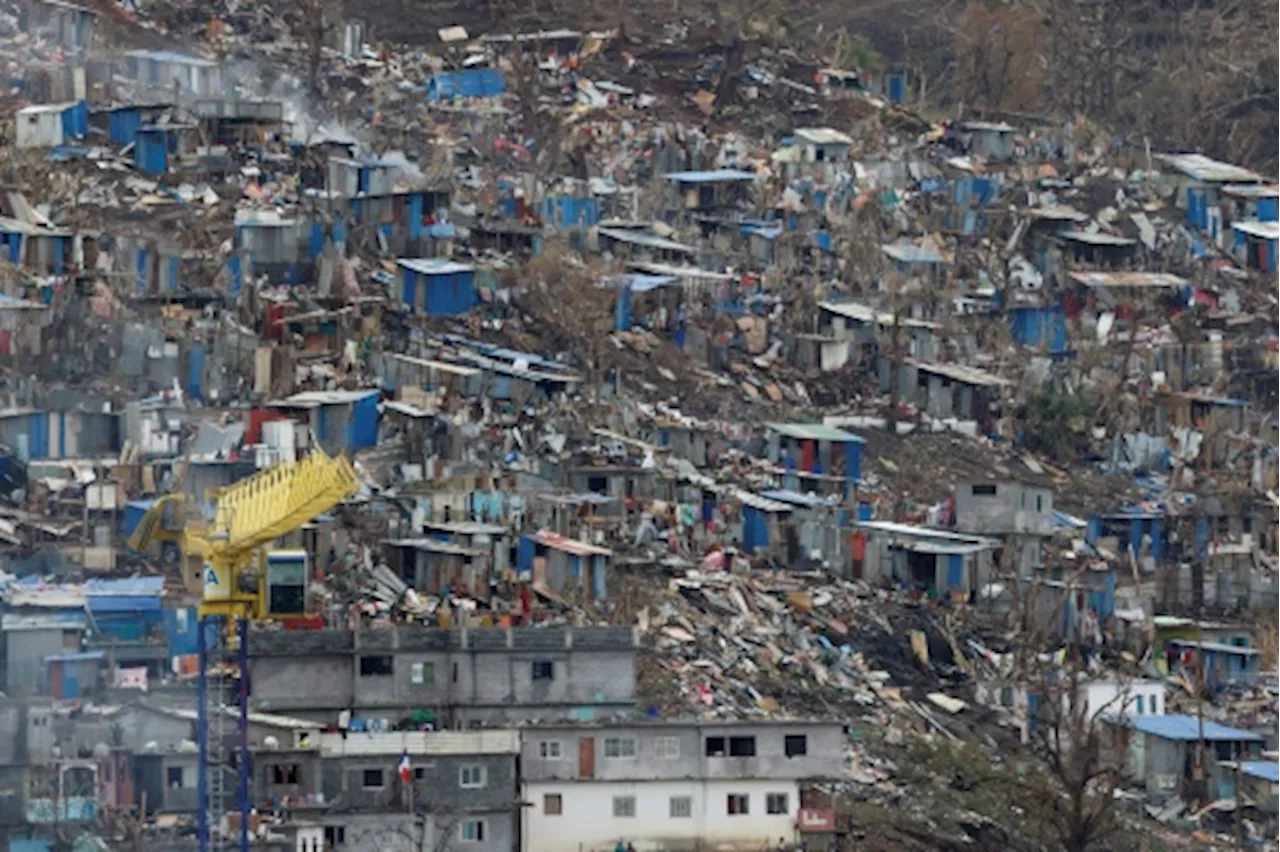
1239, 814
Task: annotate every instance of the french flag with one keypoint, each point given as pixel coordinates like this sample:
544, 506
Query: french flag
405, 770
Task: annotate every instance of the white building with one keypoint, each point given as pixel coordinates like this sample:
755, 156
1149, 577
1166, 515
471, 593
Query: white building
671, 786
1124, 699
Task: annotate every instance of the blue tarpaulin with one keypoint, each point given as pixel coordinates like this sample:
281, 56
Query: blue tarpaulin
472, 83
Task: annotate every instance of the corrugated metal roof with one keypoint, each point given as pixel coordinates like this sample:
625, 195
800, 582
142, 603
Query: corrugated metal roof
814, 432
962, 374
797, 499
1265, 230
1208, 170
569, 545
641, 239
1096, 239
433, 545
1187, 729
1216, 647
905, 252
1253, 190
434, 266
717, 176
1129, 279
1267, 770
823, 136
315, 399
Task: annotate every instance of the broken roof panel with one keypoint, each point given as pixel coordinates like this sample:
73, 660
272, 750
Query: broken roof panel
434, 266
1096, 239
859, 312
569, 545
964, 375
637, 238
1265, 230
905, 252
1129, 279
823, 136
1252, 190
814, 432
717, 176
170, 56
1207, 170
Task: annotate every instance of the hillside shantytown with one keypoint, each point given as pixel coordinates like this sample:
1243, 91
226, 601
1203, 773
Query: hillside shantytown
675, 428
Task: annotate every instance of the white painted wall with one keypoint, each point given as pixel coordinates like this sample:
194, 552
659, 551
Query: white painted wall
1123, 699
38, 128
587, 822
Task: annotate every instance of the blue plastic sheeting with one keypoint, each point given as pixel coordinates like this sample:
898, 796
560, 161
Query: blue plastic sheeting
150, 152
1039, 327
364, 423
137, 594
123, 125
473, 83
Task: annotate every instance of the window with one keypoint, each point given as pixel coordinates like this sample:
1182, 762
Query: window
419, 773
173, 777
775, 803
471, 831
681, 807
1039, 503
742, 746
455, 673
335, 835
1006, 696
619, 747
550, 750
471, 777
376, 666
795, 745
552, 804
284, 773
738, 804
422, 673
667, 748
544, 670
371, 779
1142, 701
984, 491
624, 806
715, 746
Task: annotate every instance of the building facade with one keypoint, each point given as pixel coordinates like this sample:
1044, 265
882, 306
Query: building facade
466, 678
670, 786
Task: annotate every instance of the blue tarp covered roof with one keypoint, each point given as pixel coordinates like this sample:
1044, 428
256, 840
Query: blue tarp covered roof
1267, 770
1187, 729
136, 594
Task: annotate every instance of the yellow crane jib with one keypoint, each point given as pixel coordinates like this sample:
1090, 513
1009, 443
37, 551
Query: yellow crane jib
256, 511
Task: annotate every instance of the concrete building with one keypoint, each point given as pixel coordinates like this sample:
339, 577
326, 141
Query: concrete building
670, 786
466, 677
462, 791
1018, 512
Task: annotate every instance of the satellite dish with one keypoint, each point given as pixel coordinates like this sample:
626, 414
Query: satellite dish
101, 751
271, 742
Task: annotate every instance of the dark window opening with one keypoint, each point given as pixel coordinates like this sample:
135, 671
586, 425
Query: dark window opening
173, 777
286, 773
742, 746
715, 747
984, 491
544, 670
376, 666
737, 805
371, 779
796, 745
598, 484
